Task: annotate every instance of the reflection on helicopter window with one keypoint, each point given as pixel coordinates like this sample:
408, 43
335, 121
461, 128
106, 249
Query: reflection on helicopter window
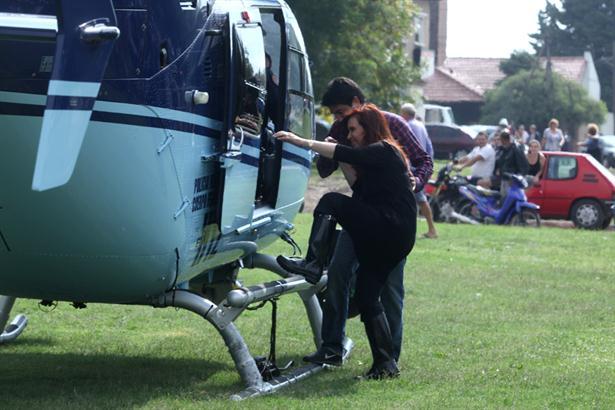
300, 95
250, 115
252, 93
300, 118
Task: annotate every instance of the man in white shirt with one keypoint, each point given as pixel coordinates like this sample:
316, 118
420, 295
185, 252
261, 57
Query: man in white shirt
481, 159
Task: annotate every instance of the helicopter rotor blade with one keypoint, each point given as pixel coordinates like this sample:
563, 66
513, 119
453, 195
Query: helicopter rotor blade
86, 34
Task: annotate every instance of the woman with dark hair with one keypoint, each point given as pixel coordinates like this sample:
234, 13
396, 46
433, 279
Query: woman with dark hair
380, 218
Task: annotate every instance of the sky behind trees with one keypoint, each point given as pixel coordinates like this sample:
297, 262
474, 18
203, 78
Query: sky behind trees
491, 28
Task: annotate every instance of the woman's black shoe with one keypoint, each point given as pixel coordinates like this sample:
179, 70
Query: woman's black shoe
324, 356
311, 271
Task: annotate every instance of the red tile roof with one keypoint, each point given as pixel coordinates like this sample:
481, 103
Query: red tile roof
467, 79
572, 68
443, 87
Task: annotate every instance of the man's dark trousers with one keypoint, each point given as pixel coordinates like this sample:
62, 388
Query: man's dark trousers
335, 309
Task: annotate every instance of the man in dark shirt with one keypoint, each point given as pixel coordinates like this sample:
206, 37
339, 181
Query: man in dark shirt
509, 158
341, 97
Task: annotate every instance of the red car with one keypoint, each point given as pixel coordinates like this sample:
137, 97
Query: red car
577, 187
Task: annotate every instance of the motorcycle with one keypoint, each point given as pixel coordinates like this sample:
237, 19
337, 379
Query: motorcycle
443, 193
482, 205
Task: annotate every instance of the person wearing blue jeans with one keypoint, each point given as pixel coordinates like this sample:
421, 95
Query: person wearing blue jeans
340, 274
379, 217
341, 97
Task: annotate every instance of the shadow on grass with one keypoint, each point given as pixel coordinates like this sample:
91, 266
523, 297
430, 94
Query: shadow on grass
47, 380
30, 342
109, 380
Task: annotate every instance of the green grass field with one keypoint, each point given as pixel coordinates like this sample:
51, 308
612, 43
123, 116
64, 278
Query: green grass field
495, 317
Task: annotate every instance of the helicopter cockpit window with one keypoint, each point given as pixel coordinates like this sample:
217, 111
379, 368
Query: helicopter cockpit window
300, 95
251, 102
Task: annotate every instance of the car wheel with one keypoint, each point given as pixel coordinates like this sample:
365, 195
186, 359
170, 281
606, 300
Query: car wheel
527, 218
587, 214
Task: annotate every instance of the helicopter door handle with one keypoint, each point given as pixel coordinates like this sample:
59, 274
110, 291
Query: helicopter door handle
97, 30
234, 144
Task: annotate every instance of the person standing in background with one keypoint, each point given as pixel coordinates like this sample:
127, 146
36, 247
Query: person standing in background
408, 113
534, 134
553, 137
592, 142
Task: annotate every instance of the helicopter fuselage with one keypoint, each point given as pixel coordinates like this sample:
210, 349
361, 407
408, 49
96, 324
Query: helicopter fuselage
177, 175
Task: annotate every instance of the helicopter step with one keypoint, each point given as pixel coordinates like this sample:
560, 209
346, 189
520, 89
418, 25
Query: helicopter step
222, 316
16, 327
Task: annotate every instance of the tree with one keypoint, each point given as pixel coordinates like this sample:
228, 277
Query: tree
529, 97
578, 26
519, 60
361, 39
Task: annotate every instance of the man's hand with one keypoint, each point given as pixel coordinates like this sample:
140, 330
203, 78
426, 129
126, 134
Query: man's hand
331, 140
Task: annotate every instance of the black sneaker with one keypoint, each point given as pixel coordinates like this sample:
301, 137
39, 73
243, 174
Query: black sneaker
324, 356
309, 270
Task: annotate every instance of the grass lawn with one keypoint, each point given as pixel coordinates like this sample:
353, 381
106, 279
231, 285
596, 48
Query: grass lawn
495, 317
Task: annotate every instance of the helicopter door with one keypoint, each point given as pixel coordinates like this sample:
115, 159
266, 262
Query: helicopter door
296, 162
247, 90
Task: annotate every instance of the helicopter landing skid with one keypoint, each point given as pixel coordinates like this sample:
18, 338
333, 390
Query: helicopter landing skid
16, 327
222, 316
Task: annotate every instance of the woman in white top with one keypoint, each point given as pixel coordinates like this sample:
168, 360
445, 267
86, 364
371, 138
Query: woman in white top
553, 137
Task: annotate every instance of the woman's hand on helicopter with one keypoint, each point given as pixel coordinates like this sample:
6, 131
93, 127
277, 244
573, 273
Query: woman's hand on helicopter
324, 148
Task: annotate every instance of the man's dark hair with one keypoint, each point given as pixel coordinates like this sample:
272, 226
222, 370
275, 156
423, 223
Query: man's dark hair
505, 134
342, 90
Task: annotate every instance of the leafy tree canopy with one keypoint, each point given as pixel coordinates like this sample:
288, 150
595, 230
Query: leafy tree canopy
519, 60
577, 26
531, 97
361, 39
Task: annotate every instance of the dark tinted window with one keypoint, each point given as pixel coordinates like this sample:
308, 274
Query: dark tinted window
295, 71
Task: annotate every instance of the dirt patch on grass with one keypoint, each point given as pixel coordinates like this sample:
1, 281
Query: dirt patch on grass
319, 186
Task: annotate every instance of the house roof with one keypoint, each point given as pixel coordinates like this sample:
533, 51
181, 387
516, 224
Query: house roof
464, 79
572, 68
443, 86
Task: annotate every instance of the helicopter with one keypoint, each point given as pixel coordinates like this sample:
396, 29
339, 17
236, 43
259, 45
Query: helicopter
138, 164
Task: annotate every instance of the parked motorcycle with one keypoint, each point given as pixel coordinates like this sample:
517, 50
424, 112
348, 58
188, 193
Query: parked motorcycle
487, 206
444, 194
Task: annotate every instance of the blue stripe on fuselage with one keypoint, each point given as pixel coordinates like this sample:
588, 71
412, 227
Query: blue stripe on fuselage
296, 159
33, 105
